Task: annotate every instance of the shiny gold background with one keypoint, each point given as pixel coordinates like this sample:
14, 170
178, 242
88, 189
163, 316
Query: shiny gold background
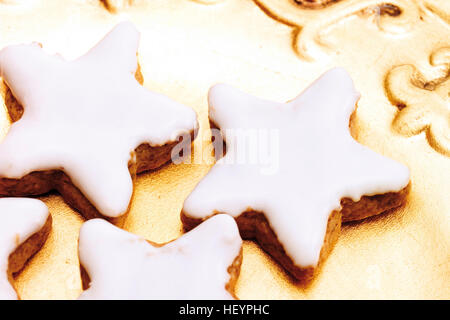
187, 46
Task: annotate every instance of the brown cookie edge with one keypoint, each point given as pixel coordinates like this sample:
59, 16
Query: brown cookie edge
25, 251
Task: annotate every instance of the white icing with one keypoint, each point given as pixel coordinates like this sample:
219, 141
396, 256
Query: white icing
20, 219
319, 163
86, 116
124, 266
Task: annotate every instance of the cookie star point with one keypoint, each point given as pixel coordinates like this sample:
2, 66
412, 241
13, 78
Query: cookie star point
123, 40
22, 218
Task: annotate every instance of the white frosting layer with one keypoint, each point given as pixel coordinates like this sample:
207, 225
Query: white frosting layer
319, 163
86, 116
20, 219
124, 266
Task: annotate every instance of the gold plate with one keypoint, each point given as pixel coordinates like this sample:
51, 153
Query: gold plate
398, 53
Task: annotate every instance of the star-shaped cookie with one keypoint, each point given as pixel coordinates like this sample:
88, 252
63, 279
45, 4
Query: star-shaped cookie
202, 264
86, 124
293, 204
24, 229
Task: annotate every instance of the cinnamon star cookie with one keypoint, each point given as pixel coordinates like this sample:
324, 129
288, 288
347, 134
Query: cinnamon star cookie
202, 264
85, 127
322, 175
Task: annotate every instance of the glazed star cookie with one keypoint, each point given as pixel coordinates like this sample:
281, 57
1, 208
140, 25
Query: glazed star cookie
202, 264
322, 174
85, 127
25, 226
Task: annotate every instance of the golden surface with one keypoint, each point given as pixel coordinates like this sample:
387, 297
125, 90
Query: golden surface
274, 49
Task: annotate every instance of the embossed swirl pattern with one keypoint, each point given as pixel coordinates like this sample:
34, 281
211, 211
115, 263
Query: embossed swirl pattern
310, 19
